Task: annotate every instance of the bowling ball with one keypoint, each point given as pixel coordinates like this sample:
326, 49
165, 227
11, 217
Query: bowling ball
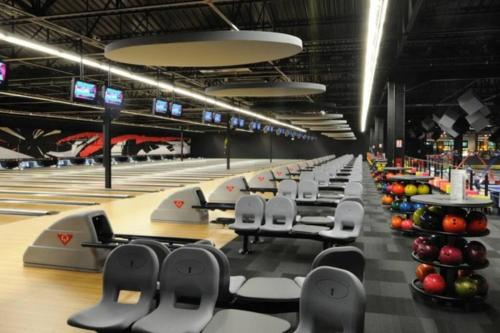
481, 283
427, 252
405, 206
389, 175
388, 188
387, 199
379, 187
395, 205
465, 287
396, 221
406, 224
410, 190
464, 272
454, 224
475, 253
476, 223
436, 210
417, 205
450, 255
434, 284
420, 240
423, 189
423, 270
398, 189
417, 214
437, 240
430, 220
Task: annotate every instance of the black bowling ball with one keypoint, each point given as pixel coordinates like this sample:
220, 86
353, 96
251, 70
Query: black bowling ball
430, 221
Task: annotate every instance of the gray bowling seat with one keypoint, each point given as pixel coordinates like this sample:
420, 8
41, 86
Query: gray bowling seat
228, 285
332, 300
348, 221
232, 321
160, 249
249, 213
280, 214
307, 190
288, 189
189, 283
128, 267
349, 258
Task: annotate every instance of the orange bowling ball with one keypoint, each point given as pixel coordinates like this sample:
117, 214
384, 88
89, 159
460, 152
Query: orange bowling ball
454, 223
398, 189
396, 222
387, 199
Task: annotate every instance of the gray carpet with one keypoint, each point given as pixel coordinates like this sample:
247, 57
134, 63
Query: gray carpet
389, 269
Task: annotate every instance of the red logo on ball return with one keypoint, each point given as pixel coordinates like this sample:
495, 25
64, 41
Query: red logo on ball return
65, 238
178, 203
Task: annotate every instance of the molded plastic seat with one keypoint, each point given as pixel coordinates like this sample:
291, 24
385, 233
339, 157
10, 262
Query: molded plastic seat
348, 220
231, 321
332, 300
353, 189
128, 268
189, 283
160, 249
288, 189
228, 285
280, 215
321, 177
249, 213
307, 190
306, 175
308, 229
349, 258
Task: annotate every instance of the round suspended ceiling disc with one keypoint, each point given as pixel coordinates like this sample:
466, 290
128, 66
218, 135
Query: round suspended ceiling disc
266, 89
204, 49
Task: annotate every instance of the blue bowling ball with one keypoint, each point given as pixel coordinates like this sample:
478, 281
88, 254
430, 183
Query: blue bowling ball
405, 206
417, 206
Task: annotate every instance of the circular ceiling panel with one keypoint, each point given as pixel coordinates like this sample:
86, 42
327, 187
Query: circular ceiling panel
266, 89
204, 49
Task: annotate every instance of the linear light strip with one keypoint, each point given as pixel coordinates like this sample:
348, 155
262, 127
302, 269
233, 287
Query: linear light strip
376, 19
73, 57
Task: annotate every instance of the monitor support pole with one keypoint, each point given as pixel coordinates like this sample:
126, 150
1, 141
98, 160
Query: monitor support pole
182, 144
271, 148
106, 151
228, 146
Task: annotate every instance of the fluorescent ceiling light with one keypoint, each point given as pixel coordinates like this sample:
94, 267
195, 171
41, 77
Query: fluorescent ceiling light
202, 99
325, 117
318, 122
376, 19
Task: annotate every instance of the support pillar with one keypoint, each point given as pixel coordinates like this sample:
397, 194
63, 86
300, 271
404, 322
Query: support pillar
270, 147
227, 145
379, 134
106, 149
395, 122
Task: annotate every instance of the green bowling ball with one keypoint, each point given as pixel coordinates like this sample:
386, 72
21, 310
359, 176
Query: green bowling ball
417, 214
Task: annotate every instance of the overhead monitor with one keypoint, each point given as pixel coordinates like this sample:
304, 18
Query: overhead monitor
160, 107
175, 110
82, 91
3, 73
113, 97
207, 116
241, 122
258, 126
217, 118
234, 122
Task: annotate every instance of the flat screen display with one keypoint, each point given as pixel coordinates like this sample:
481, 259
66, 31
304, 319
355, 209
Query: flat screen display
258, 126
241, 122
84, 91
217, 118
3, 73
207, 116
234, 122
113, 97
176, 110
160, 107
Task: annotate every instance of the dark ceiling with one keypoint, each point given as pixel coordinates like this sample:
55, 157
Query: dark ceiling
438, 49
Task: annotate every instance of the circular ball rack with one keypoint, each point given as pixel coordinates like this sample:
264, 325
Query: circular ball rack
405, 180
449, 272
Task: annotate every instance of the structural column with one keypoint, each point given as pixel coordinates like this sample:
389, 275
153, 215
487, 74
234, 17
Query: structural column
106, 149
395, 122
378, 135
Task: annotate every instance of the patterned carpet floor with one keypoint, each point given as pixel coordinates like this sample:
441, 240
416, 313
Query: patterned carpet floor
389, 269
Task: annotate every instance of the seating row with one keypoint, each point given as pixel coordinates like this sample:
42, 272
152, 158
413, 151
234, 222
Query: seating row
178, 292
